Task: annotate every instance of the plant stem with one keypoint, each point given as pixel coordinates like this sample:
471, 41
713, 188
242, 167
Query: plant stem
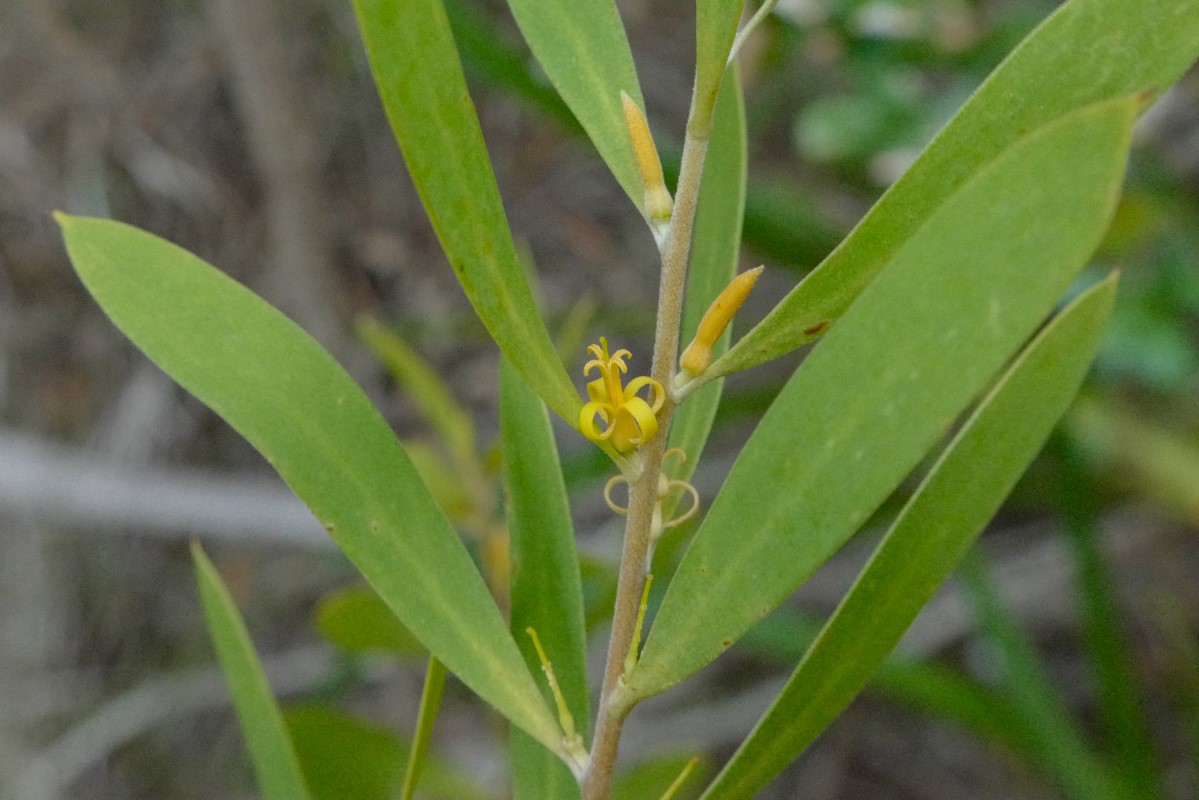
756, 20
597, 780
430, 703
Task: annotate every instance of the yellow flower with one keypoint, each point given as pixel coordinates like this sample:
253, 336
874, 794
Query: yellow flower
629, 419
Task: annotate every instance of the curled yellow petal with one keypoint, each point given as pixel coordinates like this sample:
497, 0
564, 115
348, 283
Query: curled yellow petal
659, 393
612, 504
638, 411
698, 355
587, 415
687, 488
674, 452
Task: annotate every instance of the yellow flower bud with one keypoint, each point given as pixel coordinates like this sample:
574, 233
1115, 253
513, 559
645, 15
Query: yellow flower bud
698, 355
658, 203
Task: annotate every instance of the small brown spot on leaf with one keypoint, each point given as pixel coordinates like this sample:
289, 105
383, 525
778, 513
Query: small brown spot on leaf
727, 642
375, 526
815, 329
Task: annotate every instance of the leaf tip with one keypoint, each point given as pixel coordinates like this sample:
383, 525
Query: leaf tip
199, 557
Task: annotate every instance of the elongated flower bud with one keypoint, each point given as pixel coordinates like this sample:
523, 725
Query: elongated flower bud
658, 203
698, 355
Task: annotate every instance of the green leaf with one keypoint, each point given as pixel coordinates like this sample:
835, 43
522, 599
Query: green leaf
429, 393
271, 751
424, 93
647, 780
583, 49
457, 489
571, 335
1027, 688
546, 587
889, 379
929, 688
961, 493
716, 24
291, 400
492, 60
358, 621
714, 258
1159, 462
782, 224
344, 756
941, 692
1120, 707
1088, 51
538, 774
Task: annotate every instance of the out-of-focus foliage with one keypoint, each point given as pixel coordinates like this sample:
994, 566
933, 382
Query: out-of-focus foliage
878, 79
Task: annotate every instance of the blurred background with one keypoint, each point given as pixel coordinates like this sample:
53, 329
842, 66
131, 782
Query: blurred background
249, 132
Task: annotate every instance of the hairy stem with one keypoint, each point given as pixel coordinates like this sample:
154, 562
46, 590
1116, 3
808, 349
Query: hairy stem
597, 780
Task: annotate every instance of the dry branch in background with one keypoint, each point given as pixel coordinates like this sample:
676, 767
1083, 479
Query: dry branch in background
57, 484
285, 147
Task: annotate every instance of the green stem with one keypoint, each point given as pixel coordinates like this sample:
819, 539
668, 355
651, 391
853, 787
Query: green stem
676, 250
430, 702
743, 34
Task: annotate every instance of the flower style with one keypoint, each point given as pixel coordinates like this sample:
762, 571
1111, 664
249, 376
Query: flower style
629, 418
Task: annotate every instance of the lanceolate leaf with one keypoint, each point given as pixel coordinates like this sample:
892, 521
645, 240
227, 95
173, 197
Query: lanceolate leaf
582, 47
1088, 51
932, 689
496, 61
888, 380
547, 592
424, 93
430, 705
356, 620
271, 751
648, 779
714, 257
344, 757
1128, 739
1028, 690
716, 24
547, 589
292, 401
936, 528
428, 392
